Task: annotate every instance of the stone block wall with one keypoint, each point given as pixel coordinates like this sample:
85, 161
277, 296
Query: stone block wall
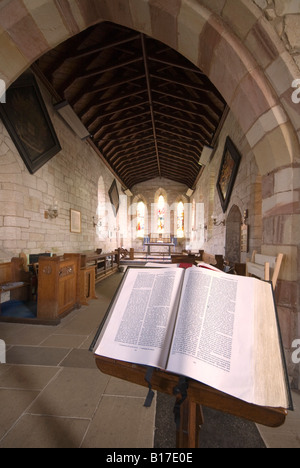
284, 15
246, 194
70, 178
250, 51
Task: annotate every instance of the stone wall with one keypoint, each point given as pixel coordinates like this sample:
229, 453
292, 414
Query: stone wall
284, 15
204, 205
71, 178
246, 195
249, 49
84, 187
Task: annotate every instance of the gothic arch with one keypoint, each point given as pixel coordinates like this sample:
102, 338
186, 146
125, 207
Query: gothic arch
155, 214
234, 45
233, 235
237, 49
160, 192
198, 33
181, 198
138, 198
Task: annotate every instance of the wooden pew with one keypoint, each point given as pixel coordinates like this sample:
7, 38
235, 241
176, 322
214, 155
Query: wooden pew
14, 281
86, 278
105, 264
262, 266
215, 260
58, 287
183, 258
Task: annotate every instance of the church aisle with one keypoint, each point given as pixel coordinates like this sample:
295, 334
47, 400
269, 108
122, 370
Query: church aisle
52, 395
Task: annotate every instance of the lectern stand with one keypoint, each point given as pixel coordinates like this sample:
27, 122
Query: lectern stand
198, 394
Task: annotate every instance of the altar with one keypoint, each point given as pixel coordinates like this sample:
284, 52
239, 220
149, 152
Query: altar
159, 244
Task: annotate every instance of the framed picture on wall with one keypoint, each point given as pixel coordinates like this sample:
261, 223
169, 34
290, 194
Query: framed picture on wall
27, 121
114, 197
75, 221
228, 172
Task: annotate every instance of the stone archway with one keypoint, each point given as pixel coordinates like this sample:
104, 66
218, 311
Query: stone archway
239, 51
233, 235
203, 36
133, 214
257, 90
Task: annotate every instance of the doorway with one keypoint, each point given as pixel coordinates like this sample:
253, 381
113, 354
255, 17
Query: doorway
233, 235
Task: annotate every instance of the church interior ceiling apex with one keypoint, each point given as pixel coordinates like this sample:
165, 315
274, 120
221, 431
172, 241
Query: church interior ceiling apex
148, 110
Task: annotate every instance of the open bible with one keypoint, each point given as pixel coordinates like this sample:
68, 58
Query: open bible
218, 329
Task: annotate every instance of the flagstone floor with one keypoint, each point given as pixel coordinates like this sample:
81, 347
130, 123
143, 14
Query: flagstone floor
52, 394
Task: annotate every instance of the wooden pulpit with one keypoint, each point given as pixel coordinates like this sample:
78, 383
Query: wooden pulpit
198, 394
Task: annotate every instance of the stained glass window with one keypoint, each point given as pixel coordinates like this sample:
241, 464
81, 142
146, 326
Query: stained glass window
140, 215
180, 220
161, 214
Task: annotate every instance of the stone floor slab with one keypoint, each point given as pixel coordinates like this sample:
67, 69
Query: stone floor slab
73, 393
12, 404
33, 431
121, 422
35, 356
81, 358
64, 341
27, 377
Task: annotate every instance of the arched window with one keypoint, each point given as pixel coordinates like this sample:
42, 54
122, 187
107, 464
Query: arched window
140, 219
180, 220
161, 214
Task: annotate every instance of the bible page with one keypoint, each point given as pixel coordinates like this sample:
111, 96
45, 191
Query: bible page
213, 339
270, 377
141, 322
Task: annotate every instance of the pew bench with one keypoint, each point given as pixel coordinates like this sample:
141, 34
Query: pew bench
183, 258
264, 267
214, 260
15, 282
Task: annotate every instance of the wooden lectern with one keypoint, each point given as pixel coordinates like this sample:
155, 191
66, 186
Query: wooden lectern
198, 394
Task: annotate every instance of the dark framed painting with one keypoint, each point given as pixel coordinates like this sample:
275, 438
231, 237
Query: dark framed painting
27, 121
228, 172
114, 197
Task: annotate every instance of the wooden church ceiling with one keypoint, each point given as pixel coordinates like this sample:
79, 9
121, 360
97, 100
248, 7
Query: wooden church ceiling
148, 110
